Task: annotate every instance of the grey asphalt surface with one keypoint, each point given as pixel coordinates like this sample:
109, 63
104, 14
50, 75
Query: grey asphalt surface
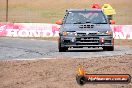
19, 48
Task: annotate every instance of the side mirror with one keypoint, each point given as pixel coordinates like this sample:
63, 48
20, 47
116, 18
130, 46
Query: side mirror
59, 22
112, 22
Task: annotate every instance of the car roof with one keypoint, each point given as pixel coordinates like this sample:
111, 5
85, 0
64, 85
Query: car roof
68, 10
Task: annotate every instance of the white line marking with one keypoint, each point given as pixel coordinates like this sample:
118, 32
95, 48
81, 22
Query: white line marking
32, 59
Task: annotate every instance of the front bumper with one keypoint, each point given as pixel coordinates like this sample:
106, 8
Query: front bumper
87, 41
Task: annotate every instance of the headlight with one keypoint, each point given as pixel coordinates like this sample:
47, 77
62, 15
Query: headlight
105, 32
69, 33
64, 33
109, 32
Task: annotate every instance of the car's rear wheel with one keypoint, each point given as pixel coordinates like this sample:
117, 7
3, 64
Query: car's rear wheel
108, 48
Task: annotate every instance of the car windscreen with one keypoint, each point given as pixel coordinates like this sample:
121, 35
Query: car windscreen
81, 17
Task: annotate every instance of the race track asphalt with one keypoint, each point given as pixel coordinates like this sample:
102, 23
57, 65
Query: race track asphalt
29, 49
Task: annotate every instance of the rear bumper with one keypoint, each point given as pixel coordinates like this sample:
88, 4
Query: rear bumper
86, 41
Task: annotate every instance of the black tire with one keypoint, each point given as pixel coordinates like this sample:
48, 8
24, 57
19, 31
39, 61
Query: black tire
63, 49
109, 48
104, 48
81, 80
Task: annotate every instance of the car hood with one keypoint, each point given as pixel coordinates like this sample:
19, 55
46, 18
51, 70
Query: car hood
85, 27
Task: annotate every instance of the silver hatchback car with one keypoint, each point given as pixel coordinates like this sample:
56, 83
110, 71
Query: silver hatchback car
85, 28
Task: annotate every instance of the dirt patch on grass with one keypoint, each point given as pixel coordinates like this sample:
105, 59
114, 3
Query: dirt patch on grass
60, 73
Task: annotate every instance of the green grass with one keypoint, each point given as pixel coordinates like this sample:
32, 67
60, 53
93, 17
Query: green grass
48, 11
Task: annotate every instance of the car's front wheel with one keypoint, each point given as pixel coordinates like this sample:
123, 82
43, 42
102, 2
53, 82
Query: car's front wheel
108, 48
63, 49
